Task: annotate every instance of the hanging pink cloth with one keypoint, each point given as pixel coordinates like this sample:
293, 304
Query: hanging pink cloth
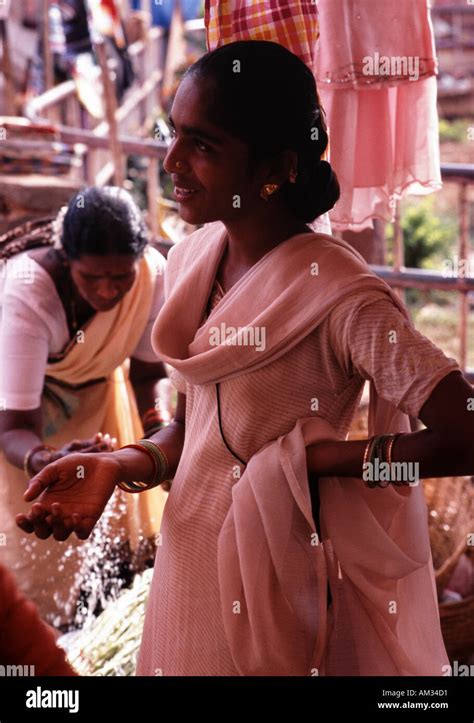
375, 68
374, 549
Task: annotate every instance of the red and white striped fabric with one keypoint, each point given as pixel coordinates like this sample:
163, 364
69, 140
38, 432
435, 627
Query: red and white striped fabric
292, 23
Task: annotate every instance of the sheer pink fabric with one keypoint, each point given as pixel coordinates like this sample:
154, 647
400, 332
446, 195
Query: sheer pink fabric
382, 118
272, 568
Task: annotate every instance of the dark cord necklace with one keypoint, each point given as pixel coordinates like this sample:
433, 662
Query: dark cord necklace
220, 427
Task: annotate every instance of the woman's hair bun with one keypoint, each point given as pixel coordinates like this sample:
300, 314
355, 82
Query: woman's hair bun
315, 195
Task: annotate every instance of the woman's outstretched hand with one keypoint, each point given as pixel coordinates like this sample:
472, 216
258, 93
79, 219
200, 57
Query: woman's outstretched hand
99, 443
71, 495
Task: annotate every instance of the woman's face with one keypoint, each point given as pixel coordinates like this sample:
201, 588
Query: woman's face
103, 281
213, 164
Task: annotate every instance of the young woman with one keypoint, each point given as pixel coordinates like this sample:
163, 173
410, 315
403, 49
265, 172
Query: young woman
71, 315
271, 331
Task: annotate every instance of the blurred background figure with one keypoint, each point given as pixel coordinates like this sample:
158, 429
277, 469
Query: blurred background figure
73, 25
25, 639
74, 310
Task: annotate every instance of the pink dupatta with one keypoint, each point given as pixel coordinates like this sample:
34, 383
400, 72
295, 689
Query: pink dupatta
375, 548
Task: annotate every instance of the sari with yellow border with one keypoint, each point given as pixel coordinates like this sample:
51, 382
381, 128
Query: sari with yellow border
87, 390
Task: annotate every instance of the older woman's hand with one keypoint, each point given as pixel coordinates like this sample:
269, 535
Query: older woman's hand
71, 494
99, 443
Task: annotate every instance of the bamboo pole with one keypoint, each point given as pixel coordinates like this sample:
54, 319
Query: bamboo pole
175, 53
10, 101
464, 257
47, 55
398, 249
152, 194
110, 102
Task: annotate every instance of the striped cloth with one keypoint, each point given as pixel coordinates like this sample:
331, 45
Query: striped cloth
292, 23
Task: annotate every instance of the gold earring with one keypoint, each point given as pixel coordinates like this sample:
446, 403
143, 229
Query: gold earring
293, 175
267, 190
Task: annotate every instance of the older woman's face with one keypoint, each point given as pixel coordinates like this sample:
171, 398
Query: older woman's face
212, 164
103, 281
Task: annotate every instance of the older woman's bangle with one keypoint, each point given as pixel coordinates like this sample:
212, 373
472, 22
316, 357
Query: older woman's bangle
27, 458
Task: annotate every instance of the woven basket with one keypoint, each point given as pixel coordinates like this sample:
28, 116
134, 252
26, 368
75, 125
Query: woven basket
450, 502
457, 625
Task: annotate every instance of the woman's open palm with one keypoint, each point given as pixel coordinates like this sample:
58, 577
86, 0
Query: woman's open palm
71, 495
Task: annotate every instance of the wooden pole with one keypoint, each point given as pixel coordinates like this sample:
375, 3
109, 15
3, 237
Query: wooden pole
10, 102
398, 249
175, 53
47, 55
152, 195
110, 101
464, 259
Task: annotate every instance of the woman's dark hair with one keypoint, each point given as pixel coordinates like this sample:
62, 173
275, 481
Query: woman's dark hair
266, 96
103, 221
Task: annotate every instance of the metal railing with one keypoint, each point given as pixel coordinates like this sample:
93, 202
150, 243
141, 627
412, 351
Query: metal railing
401, 277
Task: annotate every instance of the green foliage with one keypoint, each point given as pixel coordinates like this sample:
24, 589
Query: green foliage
454, 131
427, 238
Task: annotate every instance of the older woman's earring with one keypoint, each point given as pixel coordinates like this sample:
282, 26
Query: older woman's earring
293, 176
267, 190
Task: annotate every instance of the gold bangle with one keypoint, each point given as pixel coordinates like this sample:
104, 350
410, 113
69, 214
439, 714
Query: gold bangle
161, 459
397, 483
161, 467
368, 450
372, 453
389, 449
133, 486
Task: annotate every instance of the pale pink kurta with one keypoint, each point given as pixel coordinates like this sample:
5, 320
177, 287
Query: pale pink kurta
184, 632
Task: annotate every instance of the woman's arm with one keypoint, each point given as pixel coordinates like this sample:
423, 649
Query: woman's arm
71, 502
20, 431
445, 448
135, 465
28, 311
144, 376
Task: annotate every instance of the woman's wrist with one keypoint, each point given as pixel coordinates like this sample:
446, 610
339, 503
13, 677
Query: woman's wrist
318, 458
37, 458
133, 464
329, 457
